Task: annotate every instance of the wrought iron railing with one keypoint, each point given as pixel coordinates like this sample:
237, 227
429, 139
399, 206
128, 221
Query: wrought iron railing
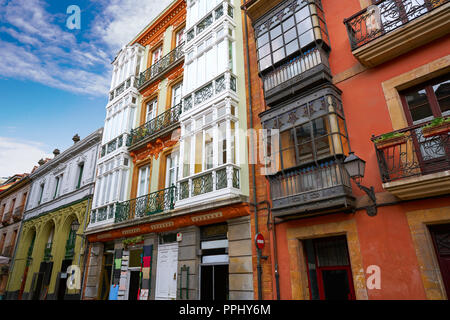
225, 81
163, 65
152, 127
112, 145
209, 181
307, 184
18, 212
7, 217
388, 15
409, 153
48, 251
117, 91
294, 67
153, 203
8, 251
209, 19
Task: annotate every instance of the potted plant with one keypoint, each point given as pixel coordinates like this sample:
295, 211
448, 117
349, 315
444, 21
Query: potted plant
390, 139
436, 127
133, 241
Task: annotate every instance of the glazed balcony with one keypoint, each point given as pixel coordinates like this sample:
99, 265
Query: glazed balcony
307, 191
150, 204
302, 71
162, 124
18, 213
117, 91
112, 145
414, 164
393, 27
160, 68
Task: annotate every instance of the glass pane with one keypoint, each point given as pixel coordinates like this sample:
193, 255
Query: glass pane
288, 151
292, 47
288, 23
209, 148
198, 152
332, 252
263, 39
306, 38
187, 157
302, 14
275, 32
442, 92
265, 63
290, 35
305, 25
264, 51
418, 105
278, 55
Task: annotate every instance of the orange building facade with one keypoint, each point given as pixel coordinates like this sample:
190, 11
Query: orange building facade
365, 87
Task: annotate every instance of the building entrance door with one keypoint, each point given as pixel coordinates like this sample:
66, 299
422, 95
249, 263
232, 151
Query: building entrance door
134, 284
166, 272
441, 241
214, 282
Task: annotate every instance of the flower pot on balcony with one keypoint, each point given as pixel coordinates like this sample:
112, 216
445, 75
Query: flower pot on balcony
390, 141
431, 131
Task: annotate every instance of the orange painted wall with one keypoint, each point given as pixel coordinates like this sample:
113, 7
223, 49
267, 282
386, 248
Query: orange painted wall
385, 240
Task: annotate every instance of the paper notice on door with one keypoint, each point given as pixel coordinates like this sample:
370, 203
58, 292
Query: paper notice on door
145, 273
143, 294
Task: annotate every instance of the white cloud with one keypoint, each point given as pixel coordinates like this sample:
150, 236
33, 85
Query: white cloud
19, 156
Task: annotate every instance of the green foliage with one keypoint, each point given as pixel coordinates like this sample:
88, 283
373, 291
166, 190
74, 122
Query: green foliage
134, 240
389, 136
437, 122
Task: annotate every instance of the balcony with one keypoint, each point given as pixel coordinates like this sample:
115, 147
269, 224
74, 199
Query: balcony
162, 124
7, 217
18, 213
302, 71
8, 251
393, 27
224, 82
150, 204
130, 82
160, 68
302, 192
112, 145
413, 165
217, 179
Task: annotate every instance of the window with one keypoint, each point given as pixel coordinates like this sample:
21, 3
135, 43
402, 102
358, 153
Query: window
156, 55
329, 270
3, 211
57, 180
41, 193
80, 175
172, 169
187, 157
152, 108
179, 37
287, 31
144, 181
177, 94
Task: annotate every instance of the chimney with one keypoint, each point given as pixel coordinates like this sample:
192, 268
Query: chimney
41, 162
76, 138
56, 152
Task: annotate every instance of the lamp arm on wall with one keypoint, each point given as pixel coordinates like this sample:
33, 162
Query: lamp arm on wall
372, 209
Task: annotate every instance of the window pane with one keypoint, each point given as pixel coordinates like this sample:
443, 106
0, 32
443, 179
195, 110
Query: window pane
198, 152
264, 50
290, 35
265, 63
233, 142
288, 151
289, 23
187, 157
209, 149
418, 105
292, 47
222, 143
306, 38
277, 43
275, 32
302, 14
278, 55
442, 92
263, 39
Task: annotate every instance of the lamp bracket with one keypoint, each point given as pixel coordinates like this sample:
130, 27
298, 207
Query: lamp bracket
372, 209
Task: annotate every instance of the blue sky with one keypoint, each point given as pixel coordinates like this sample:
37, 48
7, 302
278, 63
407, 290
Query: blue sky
54, 81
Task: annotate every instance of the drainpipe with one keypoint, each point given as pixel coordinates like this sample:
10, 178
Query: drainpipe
258, 264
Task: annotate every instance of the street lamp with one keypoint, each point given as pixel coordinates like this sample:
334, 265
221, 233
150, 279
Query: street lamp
355, 167
75, 225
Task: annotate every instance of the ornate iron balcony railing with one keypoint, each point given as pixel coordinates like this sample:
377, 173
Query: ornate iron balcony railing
112, 146
161, 67
225, 81
153, 203
212, 180
309, 185
152, 127
131, 81
408, 152
390, 15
